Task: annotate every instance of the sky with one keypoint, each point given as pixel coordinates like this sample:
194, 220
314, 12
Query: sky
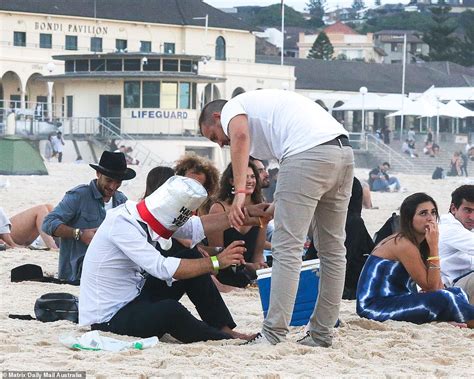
299, 5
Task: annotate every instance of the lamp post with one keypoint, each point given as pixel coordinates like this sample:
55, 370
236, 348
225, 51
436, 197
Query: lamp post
282, 31
404, 64
363, 91
206, 24
50, 67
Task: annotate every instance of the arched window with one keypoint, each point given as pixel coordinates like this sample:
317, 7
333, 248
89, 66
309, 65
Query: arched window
220, 49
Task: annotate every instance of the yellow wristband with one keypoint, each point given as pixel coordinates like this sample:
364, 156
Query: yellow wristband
215, 264
435, 258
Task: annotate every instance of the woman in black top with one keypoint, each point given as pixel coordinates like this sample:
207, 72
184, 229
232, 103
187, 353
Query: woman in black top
254, 236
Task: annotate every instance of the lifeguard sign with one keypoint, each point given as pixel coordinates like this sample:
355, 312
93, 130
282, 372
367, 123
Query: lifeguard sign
460, 139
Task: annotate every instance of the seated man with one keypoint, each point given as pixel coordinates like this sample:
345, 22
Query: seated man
456, 241
129, 288
81, 211
25, 227
379, 180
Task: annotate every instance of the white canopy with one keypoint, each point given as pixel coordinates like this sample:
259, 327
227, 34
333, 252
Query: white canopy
454, 109
451, 93
422, 107
373, 102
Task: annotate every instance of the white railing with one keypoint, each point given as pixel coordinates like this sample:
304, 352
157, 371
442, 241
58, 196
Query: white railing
391, 156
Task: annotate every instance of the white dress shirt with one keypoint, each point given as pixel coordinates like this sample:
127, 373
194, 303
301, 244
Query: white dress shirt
117, 260
456, 249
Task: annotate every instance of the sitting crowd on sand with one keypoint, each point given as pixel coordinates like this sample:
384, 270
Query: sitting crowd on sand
195, 234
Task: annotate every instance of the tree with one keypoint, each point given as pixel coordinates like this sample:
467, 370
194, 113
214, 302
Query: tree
271, 16
322, 48
444, 46
316, 11
357, 5
467, 45
378, 2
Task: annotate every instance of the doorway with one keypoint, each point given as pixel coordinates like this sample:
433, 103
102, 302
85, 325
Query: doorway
110, 108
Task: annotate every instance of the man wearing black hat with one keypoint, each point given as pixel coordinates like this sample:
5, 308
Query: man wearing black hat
81, 211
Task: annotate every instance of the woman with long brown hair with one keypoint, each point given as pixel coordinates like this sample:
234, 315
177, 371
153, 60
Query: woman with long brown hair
254, 236
387, 288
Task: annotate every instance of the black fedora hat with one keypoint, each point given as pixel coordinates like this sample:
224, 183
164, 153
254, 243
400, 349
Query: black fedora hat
114, 166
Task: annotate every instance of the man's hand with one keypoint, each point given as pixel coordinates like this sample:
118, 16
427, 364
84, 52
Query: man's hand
255, 266
87, 235
236, 216
232, 254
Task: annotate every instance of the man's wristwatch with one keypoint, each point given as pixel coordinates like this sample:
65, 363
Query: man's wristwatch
77, 233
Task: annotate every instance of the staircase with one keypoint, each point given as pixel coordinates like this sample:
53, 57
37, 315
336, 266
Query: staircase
101, 130
424, 164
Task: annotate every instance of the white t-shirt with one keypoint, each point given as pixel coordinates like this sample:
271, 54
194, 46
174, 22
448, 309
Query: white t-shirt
113, 272
456, 249
281, 123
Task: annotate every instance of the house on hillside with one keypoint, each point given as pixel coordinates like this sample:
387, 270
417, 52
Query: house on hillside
347, 44
391, 42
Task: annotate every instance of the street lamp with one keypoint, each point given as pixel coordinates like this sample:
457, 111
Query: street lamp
50, 67
363, 91
206, 24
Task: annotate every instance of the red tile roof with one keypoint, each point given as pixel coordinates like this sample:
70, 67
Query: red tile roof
339, 28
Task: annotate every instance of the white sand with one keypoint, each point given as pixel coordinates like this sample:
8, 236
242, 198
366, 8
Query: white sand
362, 348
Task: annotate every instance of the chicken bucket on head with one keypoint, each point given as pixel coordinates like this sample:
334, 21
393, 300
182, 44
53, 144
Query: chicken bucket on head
170, 206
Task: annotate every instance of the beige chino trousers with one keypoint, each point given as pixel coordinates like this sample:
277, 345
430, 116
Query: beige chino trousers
313, 192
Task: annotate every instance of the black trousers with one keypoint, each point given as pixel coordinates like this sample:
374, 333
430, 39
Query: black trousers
157, 311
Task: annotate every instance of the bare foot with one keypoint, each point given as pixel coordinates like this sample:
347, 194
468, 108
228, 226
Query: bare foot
470, 324
237, 335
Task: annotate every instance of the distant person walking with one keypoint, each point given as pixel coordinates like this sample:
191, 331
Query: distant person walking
58, 145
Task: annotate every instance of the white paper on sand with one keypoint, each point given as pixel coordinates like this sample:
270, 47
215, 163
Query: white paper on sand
94, 341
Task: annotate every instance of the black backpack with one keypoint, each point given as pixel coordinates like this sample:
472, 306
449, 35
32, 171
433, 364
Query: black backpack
391, 226
56, 306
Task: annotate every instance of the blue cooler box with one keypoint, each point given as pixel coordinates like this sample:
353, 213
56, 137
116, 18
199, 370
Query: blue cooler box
305, 297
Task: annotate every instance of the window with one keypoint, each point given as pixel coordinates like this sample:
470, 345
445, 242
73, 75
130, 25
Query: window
19, 38
82, 65
46, 41
120, 45
69, 66
71, 43
185, 66
170, 65
69, 106
97, 64
96, 44
396, 46
169, 48
145, 46
151, 95
169, 95
152, 65
131, 91
184, 95
114, 65
131, 64
220, 49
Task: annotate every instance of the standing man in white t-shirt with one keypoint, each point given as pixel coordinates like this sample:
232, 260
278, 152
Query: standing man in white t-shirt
58, 142
314, 187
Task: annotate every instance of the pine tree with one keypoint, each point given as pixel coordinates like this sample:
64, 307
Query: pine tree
357, 5
467, 44
322, 48
378, 2
316, 11
443, 45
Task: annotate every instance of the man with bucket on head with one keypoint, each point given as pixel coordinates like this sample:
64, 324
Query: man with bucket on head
129, 288
314, 183
81, 211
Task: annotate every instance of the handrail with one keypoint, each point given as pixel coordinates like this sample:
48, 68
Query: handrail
382, 147
139, 149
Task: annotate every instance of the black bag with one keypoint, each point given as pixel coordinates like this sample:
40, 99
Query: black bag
56, 306
437, 173
391, 226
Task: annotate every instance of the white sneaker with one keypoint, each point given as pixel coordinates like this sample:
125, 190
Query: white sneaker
259, 339
307, 340
392, 187
38, 244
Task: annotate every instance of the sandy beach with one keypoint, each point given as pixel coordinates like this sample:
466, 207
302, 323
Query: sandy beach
362, 348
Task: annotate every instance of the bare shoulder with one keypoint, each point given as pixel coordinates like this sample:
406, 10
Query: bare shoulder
217, 207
